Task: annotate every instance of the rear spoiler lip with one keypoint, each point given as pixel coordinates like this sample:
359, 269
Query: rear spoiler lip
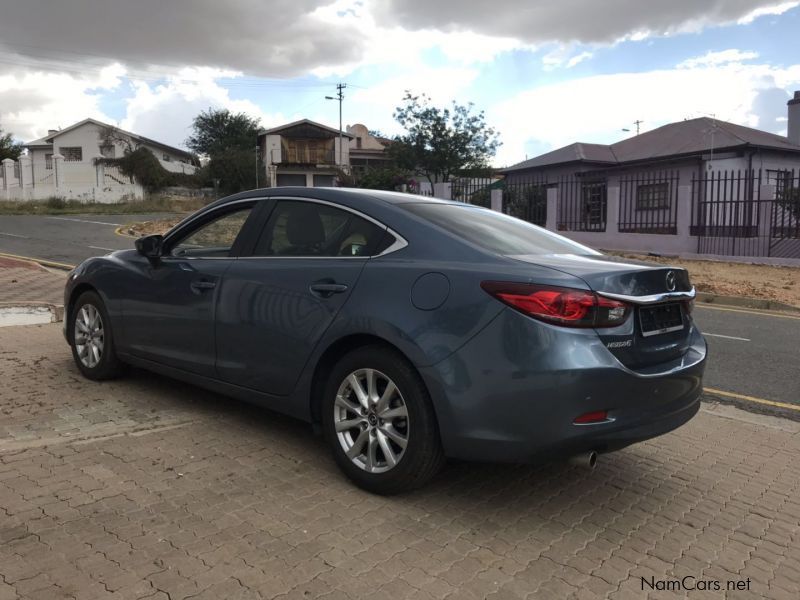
652, 299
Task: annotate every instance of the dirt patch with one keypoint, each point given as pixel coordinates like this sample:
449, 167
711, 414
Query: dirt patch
151, 227
766, 282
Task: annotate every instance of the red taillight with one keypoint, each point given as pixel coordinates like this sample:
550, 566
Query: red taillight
596, 416
562, 306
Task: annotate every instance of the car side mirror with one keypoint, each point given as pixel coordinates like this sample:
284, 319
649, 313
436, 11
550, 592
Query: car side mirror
150, 246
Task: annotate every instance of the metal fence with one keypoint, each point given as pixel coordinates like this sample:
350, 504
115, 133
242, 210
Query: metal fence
582, 204
648, 203
747, 213
527, 200
472, 190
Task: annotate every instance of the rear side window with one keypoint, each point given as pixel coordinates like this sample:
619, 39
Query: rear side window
300, 228
495, 231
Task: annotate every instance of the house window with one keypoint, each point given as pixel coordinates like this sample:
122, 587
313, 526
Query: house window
48, 161
166, 158
652, 196
71, 153
108, 151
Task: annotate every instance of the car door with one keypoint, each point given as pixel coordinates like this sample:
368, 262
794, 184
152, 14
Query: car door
277, 302
168, 313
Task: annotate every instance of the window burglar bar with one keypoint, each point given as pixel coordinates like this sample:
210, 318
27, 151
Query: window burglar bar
582, 204
649, 203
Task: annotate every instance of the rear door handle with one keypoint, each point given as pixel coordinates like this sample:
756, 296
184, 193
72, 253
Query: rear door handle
326, 290
201, 285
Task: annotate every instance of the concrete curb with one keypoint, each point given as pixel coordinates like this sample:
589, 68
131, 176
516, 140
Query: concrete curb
56, 310
125, 231
45, 263
744, 302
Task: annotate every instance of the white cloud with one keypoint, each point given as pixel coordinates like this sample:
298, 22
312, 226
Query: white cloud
586, 21
722, 57
165, 111
34, 101
579, 58
595, 109
391, 45
763, 11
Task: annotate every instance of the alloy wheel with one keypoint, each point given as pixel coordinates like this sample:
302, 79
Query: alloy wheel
89, 336
371, 420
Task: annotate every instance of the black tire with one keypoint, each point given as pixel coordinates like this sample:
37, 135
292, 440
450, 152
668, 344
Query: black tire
108, 366
422, 457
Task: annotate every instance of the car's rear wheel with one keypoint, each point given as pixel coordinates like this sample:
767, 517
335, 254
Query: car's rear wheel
378, 418
92, 340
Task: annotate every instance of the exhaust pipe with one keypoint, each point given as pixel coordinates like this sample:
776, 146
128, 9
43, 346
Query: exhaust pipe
587, 460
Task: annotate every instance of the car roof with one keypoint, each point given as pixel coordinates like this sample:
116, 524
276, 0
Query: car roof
340, 195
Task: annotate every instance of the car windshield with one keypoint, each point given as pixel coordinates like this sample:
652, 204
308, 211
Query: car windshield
495, 231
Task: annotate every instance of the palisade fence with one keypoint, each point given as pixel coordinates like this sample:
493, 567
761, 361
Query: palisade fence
472, 190
526, 199
648, 203
747, 213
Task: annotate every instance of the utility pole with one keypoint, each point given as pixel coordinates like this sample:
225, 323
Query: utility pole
339, 96
638, 123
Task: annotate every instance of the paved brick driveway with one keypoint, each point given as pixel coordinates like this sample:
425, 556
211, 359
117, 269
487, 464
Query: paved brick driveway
25, 281
149, 488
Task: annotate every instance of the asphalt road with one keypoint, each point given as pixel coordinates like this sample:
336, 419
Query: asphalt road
66, 238
751, 353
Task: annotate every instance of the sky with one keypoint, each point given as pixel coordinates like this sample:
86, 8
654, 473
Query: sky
545, 73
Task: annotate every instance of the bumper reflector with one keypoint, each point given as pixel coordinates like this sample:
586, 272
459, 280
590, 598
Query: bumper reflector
596, 416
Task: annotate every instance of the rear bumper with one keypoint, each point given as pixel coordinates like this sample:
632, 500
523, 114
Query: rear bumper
511, 394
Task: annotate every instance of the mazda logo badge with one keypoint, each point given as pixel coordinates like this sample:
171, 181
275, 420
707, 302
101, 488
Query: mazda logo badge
670, 281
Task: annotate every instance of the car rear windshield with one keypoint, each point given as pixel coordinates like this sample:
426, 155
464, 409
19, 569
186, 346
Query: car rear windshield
495, 231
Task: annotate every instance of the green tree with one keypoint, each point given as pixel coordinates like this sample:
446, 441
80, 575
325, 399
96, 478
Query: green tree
235, 170
440, 142
215, 132
229, 143
8, 147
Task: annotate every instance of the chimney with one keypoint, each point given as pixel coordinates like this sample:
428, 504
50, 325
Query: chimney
52, 132
794, 119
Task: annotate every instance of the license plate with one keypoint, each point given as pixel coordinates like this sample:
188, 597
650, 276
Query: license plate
661, 318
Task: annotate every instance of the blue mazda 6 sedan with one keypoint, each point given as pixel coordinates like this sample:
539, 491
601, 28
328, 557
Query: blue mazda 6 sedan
407, 329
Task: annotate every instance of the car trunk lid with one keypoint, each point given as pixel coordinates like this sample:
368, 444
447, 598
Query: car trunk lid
659, 328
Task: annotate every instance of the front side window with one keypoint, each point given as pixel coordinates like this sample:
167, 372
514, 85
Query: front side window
299, 228
214, 238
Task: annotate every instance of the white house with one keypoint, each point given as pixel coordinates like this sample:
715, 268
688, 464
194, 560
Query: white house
62, 164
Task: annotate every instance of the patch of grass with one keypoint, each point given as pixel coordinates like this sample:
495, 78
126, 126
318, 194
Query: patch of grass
58, 206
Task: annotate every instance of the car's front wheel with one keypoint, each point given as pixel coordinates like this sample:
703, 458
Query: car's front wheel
92, 340
379, 421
